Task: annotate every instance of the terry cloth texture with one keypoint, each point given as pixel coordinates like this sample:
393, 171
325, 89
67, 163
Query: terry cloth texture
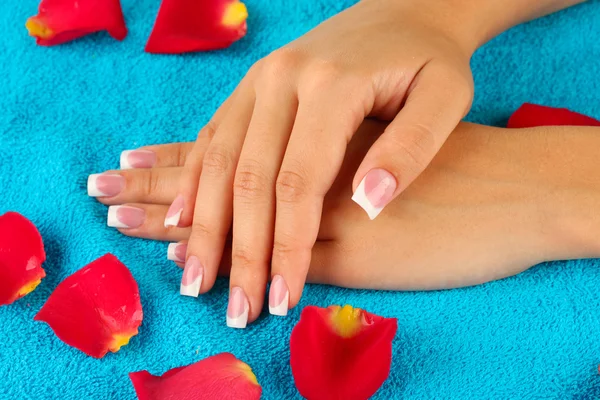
68, 111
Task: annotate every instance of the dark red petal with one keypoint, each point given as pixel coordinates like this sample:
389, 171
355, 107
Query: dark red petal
531, 115
21, 257
96, 309
327, 365
60, 21
197, 25
221, 376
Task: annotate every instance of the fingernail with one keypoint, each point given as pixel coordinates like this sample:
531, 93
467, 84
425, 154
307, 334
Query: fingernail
174, 212
125, 217
279, 297
137, 159
237, 310
105, 185
176, 252
375, 191
192, 277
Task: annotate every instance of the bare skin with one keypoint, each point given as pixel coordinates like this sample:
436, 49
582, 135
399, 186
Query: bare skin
492, 203
272, 151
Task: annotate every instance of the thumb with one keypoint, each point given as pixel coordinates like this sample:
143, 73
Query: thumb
436, 102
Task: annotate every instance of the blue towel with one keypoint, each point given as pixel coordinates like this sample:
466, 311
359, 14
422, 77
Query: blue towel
68, 111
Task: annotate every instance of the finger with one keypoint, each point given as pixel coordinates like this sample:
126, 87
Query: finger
182, 209
254, 196
162, 155
175, 250
329, 263
144, 185
435, 105
144, 221
313, 159
213, 209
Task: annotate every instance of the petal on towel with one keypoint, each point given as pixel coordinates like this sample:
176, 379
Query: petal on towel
60, 21
341, 352
221, 376
96, 309
197, 25
531, 115
21, 257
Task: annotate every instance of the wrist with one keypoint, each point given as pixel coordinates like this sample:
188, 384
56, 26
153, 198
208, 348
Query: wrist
545, 182
573, 210
467, 23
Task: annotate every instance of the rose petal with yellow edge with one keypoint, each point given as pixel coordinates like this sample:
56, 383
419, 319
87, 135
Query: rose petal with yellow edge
97, 309
221, 376
197, 25
61, 21
341, 352
21, 257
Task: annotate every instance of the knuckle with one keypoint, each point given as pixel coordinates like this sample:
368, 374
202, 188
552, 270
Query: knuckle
283, 248
250, 182
152, 183
201, 230
291, 186
243, 257
322, 75
279, 61
415, 146
181, 156
217, 161
208, 130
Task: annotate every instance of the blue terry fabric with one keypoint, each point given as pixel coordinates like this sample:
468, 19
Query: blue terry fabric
68, 111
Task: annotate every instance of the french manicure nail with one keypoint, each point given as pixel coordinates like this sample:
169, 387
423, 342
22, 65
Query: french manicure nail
174, 212
176, 252
237, 310
192, 277
279, 297
375, 191
105, 185
137, 159
125, 217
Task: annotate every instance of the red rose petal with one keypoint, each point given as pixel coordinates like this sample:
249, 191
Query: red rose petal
21, 257
341, 352
221, 376
197, 25
96, 309
60, 21
531, 115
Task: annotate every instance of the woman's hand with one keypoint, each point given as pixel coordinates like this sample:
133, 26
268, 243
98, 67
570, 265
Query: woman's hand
492, 203
274, 148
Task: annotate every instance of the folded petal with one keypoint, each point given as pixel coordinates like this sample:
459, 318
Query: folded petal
341, 352
221, 376
96, 309
21, 257
60, 21
197, 25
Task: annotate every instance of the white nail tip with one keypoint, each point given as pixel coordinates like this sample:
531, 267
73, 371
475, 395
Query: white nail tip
171, 255
239, 322
124, 161
92, 187
112, 219
360, 198
193, 289
282, 309
173, 220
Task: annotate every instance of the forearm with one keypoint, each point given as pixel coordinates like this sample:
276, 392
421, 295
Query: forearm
554, 170
492, 17
474, 22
